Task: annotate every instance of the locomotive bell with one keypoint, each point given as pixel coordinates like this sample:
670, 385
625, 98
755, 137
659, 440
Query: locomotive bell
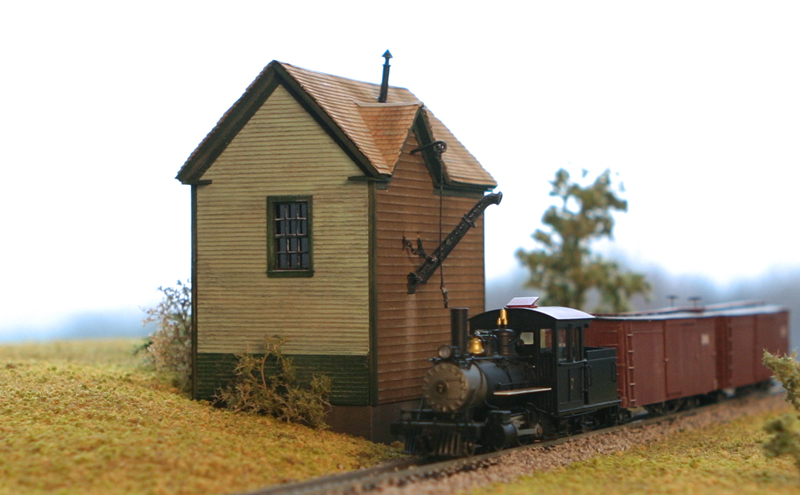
476, 346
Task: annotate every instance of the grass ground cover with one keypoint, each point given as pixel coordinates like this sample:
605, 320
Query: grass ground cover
84, 417
723, 459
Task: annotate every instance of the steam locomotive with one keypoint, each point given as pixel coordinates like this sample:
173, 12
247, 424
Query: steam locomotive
524, 372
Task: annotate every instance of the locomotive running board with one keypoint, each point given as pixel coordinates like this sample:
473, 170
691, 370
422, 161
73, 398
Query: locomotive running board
520, 391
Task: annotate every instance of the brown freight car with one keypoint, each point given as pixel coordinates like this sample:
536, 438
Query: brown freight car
667, 356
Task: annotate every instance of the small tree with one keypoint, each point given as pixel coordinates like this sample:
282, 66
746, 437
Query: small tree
564, 267
785, 433
169, 347
268, 384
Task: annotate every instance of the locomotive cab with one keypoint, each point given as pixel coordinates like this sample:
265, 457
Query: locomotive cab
551, 340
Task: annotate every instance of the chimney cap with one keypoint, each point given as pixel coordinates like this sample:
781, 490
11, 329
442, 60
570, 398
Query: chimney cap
385, 82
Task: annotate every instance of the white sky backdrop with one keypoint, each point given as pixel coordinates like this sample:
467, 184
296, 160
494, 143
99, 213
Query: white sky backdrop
695, 104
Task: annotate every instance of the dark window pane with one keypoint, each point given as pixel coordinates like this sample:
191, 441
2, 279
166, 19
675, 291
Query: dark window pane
291, 236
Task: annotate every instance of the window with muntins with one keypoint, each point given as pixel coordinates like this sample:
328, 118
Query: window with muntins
289, 232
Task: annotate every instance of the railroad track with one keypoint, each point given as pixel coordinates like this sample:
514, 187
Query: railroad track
402, 472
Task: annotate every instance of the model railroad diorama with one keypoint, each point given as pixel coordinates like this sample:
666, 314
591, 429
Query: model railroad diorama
316, 203
523, 372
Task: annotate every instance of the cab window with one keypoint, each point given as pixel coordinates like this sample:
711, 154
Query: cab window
526, 338
546, 339
570, 344
563, 344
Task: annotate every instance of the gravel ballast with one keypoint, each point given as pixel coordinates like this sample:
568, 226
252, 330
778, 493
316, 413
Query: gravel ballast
522, 462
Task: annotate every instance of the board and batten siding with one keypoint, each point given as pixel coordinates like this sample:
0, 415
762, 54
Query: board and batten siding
412, 326
282, 151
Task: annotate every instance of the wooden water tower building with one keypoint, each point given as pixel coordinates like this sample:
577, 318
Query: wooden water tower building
310, 200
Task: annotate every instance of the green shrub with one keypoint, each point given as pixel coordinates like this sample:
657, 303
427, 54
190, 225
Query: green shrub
268, 384
169, 347
785, 438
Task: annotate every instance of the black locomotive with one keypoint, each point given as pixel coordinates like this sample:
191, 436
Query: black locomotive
523, 373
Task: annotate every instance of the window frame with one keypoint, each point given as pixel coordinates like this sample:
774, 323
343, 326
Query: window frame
272, 250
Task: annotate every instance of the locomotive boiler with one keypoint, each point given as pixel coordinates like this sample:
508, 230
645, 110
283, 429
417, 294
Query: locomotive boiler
508, 376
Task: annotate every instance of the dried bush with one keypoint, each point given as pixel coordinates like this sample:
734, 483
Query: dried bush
268, 384
785, 438
169, 347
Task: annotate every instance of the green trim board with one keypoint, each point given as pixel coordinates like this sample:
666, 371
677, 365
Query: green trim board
425, 137
350, 375
373, 294
193, 357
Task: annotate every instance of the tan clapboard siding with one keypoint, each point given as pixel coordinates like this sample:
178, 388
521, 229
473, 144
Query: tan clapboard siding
412, 327
282, 151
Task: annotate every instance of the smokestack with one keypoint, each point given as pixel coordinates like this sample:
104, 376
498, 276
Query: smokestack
385, 82
459, 320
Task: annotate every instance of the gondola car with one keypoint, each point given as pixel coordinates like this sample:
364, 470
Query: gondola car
525, 372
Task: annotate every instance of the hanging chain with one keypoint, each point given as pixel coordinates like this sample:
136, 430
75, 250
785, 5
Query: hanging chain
438, 148
441, 216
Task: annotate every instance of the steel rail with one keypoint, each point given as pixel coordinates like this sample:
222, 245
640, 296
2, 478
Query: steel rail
402, 472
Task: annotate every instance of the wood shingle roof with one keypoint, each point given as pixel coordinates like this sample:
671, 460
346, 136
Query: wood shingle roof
372, 133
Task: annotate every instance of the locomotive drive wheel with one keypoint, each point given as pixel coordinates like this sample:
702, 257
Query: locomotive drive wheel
498, 436
470, 448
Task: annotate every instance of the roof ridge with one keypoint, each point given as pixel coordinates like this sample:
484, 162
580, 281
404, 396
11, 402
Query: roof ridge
377, 85
366, 104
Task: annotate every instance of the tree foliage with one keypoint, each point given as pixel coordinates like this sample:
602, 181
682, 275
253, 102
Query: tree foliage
564, 266
169, 347
268, 384
785, 432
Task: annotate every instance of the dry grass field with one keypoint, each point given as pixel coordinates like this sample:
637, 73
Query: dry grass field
85, 417
721, 459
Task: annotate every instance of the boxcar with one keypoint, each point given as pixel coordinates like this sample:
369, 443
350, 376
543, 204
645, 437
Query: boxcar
670, 355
